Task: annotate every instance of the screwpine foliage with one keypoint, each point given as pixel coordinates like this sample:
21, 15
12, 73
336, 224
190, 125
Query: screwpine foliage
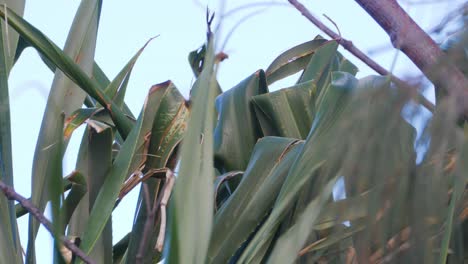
256, 169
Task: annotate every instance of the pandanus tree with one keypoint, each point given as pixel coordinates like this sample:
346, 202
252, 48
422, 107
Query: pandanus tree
240, 176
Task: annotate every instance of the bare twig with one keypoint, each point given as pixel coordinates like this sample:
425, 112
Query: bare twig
349, 46
407, 36
151, 213
33, 210
168, 186
456, 13
249, 6
240, 22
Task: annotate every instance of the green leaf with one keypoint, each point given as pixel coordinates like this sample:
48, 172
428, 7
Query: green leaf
320, 65
117, 88
99, 164
119, 251
64, 96
168, 129
292, 60
10, 37
309, 160
349, 209
69, 68
253, 199
76, 224
10, 247
76, 119
334, 238
289, 244
78, 189
126, 162
287, 112
222, 190
196, 59
55, 188
237, 130
191, 207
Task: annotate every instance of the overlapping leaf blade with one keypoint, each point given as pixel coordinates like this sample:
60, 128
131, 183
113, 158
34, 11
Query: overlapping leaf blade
192, 202
253, 199
99, 164
288, 245
127, 160
237, 129
62, 61
287, 112
309, 160
55, 187
168, 129
293, 60
10, 246
78, 189
64, 97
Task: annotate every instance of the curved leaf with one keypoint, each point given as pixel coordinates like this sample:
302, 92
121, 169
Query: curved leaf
253, 199
237, 130
292, 60
222, 190
320, 65
76, 119
78, 189
309, 160
99, 163
290, 243
127, 160
48, 49
168, 129
64, 97
287, 112
191, 207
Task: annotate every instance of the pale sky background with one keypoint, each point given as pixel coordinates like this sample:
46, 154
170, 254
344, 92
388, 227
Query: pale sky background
126, 25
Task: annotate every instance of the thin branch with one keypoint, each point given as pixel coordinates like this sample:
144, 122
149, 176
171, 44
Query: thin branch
349, 46
151, 214
168, 186
407, 36
250, 6
240, 22
449, 17
12, 195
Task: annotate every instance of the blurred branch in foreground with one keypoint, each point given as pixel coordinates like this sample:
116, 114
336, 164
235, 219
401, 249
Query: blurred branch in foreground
13, 195
348, 45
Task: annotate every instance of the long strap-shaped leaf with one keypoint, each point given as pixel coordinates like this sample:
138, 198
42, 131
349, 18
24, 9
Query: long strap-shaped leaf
124, 162
245, 209
42, 44
290, 243
64, 97
10, 247
309, 161
191, 210
169, 126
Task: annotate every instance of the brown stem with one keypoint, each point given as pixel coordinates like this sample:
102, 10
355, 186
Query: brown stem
407, 36
349, 46
12, 195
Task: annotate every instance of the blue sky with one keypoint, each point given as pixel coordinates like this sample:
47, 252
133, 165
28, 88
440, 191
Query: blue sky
125, 26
